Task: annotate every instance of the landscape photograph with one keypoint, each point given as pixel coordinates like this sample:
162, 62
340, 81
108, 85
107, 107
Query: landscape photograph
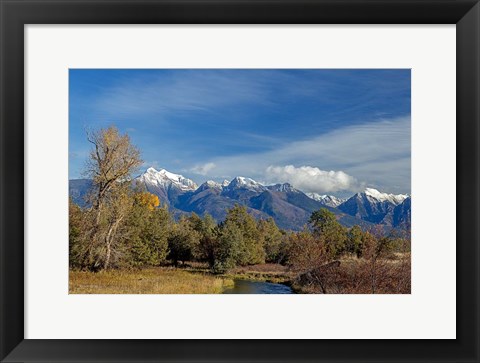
239, 181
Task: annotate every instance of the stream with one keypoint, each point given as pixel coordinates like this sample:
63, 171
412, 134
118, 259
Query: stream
257, 287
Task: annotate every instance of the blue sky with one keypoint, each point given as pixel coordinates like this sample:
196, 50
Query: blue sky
326, 131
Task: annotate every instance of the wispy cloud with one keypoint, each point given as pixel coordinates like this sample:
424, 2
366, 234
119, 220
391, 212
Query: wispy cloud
203, 169
182, 91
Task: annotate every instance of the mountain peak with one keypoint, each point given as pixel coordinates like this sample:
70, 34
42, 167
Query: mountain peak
385, 197
285, 187
163, 177
210, 184
241, 182
328, 200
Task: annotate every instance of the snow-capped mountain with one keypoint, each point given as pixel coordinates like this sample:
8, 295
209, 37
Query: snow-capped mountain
383, 197
285, 187
241, 182
166, 185
373, 206
210, 184
328, 200
165, 178
289, 207
402, 214
242, 189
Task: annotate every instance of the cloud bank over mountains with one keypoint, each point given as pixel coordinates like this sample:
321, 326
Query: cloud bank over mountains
347, 159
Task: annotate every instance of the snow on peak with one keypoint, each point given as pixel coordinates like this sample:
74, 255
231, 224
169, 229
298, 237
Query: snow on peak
225, 183
285, 187
384, 197
246, 183
165, 178
210, 184
328, 200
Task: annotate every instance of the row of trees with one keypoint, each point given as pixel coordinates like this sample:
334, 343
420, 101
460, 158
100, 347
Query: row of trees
148, 235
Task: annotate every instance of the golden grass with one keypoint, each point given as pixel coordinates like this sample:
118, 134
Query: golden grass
147, 281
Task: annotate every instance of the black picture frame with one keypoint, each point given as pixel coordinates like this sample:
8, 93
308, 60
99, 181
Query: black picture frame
15, 14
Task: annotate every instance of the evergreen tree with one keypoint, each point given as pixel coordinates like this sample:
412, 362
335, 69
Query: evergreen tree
149, 228
354, 243
325, 225
75, 234
207, 229
182, 242
271, 238
230, 249
252, 249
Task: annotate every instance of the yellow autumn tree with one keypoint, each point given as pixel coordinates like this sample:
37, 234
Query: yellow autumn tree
148, 200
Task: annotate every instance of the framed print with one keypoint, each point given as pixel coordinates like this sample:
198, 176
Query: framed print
239, 181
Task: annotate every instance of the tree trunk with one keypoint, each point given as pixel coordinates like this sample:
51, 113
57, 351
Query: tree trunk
108, 245
108, 242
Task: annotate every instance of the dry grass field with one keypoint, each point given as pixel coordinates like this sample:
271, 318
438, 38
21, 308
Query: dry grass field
147, 281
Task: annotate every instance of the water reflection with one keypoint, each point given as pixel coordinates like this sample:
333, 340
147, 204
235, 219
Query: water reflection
258, 287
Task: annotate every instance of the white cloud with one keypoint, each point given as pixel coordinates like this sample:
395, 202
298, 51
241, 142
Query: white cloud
312, 179
203, 169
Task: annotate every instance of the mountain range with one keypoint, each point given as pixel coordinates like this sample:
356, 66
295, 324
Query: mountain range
288, 206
